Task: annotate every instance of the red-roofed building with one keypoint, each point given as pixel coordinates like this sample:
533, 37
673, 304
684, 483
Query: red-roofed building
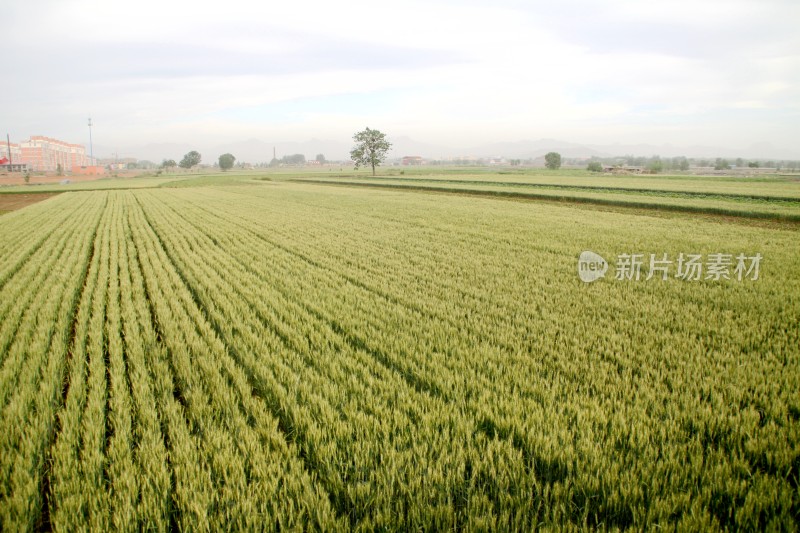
412, 160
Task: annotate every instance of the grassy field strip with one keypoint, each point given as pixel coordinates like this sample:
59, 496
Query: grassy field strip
622, 189
95, 470
16, 245
219, 469
389, 270
187, 473
191, 483
740, 193
744, 304
411, 243
471, 284
20, 303
768, 187
339, 278
384, 248
374, 279
152, 484
301, 356
220, 404
122, 473
219, 178
780, 210
102, 184
102, 451
76, 482
29, 412
23, 307
741, 304
742, 206
402, 396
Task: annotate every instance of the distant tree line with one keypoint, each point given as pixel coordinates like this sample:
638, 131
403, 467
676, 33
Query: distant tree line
142, 164
656, 164
294, 159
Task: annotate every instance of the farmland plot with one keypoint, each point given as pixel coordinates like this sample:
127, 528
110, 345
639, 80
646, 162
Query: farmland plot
298, 356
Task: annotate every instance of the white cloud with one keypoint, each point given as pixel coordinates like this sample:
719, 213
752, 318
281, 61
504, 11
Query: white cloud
679, 71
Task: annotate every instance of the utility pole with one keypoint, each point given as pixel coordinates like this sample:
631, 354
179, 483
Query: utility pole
8, 144
91, 150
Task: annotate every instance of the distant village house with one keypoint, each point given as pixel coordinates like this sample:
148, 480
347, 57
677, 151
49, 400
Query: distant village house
412, 160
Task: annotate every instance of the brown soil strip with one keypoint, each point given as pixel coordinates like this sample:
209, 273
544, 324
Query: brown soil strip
11, 202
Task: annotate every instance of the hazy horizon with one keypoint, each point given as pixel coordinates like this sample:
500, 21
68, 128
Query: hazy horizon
261, 151
443, 73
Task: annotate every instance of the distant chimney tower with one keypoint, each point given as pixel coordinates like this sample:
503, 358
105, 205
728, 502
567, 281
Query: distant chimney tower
274, 156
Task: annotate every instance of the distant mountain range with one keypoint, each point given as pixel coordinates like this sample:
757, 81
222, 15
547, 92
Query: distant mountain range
258, 151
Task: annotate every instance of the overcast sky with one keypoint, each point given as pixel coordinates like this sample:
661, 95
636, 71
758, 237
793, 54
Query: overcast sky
452, 72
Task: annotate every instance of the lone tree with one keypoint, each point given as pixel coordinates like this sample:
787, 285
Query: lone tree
371, 148
552, 160
189, 160
226, 161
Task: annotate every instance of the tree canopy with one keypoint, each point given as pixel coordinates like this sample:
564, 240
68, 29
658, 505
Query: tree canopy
655, 165
370, 150
552, 160
721, 164
294, 159
190, 159
226, 161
